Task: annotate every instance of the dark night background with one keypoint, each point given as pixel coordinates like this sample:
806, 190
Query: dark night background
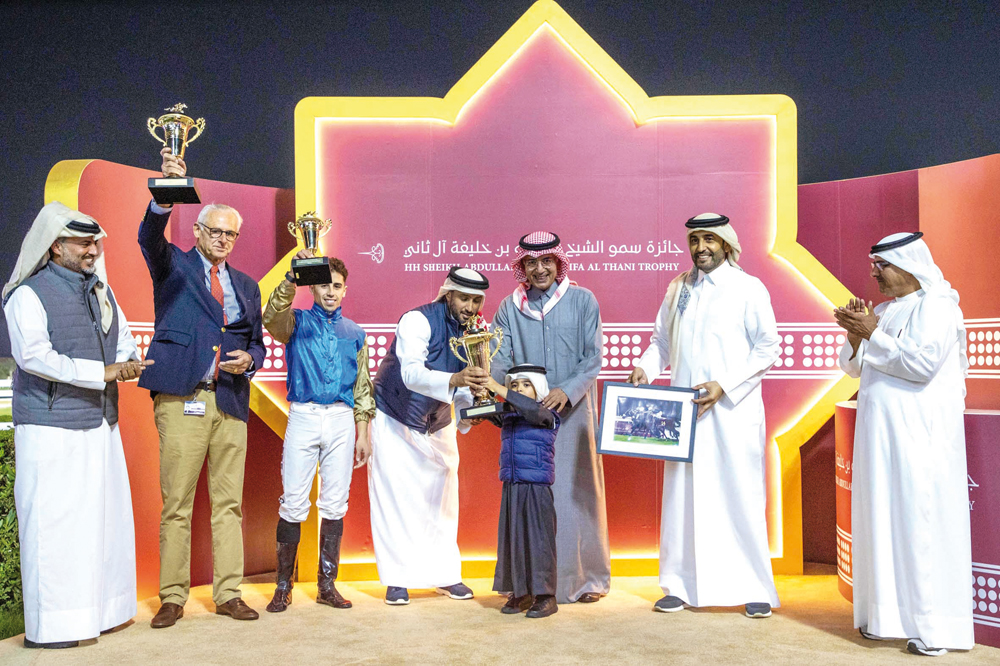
880, 87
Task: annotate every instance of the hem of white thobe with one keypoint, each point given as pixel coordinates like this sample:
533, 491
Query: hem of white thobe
686, 590
935, 630
392, 574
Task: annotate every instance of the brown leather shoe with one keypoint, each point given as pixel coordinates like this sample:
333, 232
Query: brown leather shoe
167, 616
588, 598
237, 609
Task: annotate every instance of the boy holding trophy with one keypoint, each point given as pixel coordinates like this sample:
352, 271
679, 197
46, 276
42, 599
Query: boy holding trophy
330, 393
526, 534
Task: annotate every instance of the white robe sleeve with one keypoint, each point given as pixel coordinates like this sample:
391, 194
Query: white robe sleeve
851, 366
413, 335
126, 350
657, 354
27, 326
762, 330
463, 399
922, 346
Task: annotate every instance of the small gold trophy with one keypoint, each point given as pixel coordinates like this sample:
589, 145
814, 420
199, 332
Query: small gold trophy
309, 228
177, 134
477, 344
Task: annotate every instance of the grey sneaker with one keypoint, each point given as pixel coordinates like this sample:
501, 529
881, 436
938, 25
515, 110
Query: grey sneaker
397, 596
669, 604
758, 610
916, 646
456, 591
871, 637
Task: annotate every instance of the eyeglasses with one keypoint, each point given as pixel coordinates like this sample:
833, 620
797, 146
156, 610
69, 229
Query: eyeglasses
214, 233
881, 265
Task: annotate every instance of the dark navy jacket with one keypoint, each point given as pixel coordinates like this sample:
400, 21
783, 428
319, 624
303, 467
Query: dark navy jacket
189, 322
414, 410
527, 441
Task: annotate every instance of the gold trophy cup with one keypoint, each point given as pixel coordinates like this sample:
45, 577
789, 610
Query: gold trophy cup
477, 345
177, 134
309, 228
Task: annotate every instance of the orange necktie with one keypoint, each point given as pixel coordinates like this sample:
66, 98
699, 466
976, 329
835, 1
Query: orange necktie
220, 296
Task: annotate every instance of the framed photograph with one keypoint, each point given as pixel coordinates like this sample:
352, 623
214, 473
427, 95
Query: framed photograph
647, 421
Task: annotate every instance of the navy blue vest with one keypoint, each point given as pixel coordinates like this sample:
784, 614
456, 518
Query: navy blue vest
527, 452
412, 409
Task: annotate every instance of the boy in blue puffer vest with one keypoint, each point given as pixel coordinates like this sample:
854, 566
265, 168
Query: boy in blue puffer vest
526, 536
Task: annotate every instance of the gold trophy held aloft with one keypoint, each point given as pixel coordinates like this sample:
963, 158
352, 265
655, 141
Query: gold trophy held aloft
477, 343
309, 228
177, 134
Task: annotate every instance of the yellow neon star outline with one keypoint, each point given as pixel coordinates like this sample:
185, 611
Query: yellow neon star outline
63, 184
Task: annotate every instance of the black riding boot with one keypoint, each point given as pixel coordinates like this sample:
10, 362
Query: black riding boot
330, 534
288, 546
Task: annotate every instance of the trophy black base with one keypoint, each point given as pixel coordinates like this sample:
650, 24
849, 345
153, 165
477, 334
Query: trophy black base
170, 191
481, 411
311, 271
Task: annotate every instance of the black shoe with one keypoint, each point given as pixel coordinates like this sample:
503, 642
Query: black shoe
669, 604
589, 598
456, 591
756, 610
545, 605
396, 596
517, 605
286, 569
872, 637
330, 534
60, 645
916, 646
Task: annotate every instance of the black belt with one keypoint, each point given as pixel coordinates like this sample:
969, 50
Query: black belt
205, 386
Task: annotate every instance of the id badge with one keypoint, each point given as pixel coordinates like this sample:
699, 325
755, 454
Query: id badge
194, 408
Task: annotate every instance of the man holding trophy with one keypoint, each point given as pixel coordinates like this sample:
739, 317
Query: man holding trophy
329, 390
413, 478
207, 343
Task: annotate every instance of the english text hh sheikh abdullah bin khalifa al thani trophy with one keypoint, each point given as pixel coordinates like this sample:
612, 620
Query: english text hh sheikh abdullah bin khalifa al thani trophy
177, 133
477, 343
309, 228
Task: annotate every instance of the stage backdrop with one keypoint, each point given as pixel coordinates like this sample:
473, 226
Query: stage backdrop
545, 131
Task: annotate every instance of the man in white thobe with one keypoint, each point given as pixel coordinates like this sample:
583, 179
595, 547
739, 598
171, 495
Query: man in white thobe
716, 331
912, 552
413, 475
71, 343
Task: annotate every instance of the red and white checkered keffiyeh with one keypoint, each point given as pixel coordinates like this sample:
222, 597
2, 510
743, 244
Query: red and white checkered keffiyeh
537, 238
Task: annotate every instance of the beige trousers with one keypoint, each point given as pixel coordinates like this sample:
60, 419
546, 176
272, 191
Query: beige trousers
184, 443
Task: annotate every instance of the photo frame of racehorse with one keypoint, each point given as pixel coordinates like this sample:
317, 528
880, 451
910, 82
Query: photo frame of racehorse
648, 421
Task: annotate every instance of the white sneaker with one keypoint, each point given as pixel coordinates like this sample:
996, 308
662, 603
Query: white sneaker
916, 646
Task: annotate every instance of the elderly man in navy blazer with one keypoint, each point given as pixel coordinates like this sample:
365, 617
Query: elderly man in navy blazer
207, 343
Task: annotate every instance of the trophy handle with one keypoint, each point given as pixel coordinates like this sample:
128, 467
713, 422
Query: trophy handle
455, 346
199, 127
498, 336
151, 126
291, 230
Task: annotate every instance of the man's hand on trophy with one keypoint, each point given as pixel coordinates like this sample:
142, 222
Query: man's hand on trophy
474, 377
172, 167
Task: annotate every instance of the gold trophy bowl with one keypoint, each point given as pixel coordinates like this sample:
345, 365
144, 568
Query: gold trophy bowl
308, 229
478, 349
177, 134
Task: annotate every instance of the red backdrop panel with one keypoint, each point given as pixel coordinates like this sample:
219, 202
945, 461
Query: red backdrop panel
116, 195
